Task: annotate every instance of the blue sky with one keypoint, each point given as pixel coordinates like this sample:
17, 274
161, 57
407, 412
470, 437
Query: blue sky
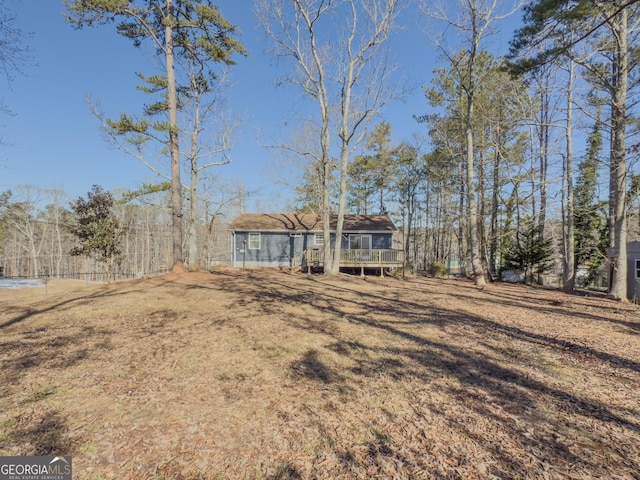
52, 140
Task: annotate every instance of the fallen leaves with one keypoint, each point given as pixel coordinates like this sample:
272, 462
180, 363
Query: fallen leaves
280, 376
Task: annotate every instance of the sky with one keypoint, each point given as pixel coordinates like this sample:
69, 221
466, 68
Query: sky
51, 140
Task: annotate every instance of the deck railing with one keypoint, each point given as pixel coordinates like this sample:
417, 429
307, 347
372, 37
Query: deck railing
358, 258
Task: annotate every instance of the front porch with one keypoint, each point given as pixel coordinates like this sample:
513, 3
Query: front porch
356, 258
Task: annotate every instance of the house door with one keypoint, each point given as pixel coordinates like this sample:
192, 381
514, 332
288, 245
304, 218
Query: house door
360, 242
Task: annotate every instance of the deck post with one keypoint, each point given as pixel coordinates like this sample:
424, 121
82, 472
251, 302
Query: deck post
361, 271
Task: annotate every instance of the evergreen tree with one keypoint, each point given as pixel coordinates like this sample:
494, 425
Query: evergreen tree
97, 228
554, 27
529, 253
591, 237
187, 31
361, 185
372, 174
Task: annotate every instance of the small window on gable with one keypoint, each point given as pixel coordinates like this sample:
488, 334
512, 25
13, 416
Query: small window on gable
638, 268
318, 239
254, 241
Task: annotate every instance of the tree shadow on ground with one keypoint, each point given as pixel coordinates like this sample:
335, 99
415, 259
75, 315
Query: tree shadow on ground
271, 298
80, 298
483, 385
40, 434
312, 368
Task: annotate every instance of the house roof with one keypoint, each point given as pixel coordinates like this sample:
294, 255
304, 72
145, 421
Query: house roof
274, 222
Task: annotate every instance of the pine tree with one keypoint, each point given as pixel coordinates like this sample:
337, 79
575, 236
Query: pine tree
590, 223
606, 27
529, 253
180, 31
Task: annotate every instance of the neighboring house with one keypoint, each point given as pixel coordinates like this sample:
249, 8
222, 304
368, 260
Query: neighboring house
633, 271
277, 240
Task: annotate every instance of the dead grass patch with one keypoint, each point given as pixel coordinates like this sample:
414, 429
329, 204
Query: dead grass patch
266, 374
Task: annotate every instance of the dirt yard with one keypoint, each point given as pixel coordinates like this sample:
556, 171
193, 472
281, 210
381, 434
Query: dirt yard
267, 374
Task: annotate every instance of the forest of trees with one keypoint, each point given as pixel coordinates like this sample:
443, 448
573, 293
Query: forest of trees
496, 183
40, 237
525, 161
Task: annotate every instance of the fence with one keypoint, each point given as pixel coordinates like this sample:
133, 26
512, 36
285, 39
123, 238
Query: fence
359, 257
86, 276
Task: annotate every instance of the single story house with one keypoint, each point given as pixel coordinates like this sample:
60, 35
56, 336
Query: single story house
289, 240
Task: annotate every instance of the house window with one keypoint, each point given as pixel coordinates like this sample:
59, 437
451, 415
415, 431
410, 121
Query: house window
638, 268
359, 242
318, 239
254, 241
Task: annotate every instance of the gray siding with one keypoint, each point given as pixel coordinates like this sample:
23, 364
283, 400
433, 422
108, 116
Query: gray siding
277, 249
633, 284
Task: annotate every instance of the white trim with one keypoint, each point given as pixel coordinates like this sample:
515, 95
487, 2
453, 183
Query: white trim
637, 269
233, 249
315, 239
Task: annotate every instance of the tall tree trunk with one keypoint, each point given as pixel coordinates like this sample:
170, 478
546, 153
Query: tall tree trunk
568, 280
194, 257
493, 244
472, 204
407, 245
194, 260
174, 146
427, 216
462, 254
341, 208
482, 233
618, 167
326, 212
543, 137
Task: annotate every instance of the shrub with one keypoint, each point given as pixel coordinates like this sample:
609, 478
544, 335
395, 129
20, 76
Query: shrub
437, 269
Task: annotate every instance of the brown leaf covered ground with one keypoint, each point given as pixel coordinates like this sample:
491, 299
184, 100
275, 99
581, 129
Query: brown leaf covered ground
267, 374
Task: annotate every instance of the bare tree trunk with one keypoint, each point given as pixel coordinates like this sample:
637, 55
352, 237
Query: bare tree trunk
618, 167
462, 254
543, 138
568, 279
326, 206
472, 204
493, 244
194, 260
482, 234
174, 146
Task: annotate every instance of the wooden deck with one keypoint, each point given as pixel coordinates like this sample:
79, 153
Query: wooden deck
366, 258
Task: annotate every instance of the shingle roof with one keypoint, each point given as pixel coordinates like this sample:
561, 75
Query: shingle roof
309, 222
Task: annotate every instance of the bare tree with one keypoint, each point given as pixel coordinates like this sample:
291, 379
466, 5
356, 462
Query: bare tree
55, 219
22, 217
337, 53
204, 109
